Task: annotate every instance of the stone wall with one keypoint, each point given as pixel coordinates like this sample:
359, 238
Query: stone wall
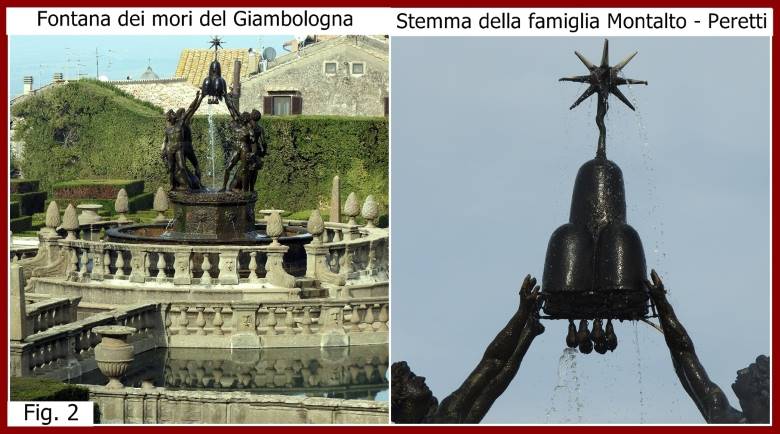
160, 406
326, 94
168, 94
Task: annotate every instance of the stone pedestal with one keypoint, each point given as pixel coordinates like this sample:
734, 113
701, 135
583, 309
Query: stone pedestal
211, 215
244, 326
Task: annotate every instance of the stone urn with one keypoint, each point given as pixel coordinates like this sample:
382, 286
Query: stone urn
89, 213
113, 354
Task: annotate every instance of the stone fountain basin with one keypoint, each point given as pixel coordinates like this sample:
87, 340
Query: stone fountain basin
295, 237
160, 233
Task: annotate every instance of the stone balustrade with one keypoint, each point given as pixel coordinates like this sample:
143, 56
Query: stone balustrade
46, 314
22, 252
297, 323
163, 406
351, 252
65, 351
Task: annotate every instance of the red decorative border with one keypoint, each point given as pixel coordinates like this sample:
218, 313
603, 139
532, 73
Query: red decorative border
387, 3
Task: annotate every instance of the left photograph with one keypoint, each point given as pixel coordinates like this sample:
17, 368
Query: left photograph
199, 227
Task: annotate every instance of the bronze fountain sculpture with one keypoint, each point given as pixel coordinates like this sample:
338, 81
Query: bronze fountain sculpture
204, 215
594, 269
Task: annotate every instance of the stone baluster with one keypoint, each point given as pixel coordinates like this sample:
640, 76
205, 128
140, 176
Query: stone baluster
167, 318
228, 267
306, 321
217, 322
368, 319
200, 321
183, 321
137, 266
253, 276
83, 264
354, 319
106, 262
181, 268
289, 322
206, 266
160, 267
379, 323
345, 262
120, 263
371, 265
72, 271
271, 321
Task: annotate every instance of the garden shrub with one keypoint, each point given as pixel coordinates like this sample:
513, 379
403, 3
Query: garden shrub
87, 129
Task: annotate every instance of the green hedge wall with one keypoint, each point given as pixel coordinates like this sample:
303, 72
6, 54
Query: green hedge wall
24, 185
87, 129
96, 188
44, 389
30, 203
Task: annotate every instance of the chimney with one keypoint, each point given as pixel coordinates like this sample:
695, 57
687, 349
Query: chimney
237, 78
28, 83
57, 77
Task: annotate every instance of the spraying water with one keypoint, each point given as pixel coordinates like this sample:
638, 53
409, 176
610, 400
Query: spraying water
212, 140
639, 374
654, 212
566, 400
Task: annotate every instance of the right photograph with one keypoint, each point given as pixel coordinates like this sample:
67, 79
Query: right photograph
581, 230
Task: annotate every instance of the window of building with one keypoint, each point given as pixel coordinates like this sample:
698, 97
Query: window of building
331, 68
283, 104
358, 68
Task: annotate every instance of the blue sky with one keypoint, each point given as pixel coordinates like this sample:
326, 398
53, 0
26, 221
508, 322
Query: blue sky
484, 155
119, 56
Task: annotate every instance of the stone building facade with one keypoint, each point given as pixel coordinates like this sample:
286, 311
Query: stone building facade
170, 93
346, 76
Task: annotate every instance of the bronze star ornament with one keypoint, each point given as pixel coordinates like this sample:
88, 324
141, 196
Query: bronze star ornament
216, 43
603, 80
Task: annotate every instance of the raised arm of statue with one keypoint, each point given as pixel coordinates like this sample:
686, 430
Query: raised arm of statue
499, 364
193, 107
231, 106
708, 397
413, 402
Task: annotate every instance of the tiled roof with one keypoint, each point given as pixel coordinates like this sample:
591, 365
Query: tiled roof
194, 64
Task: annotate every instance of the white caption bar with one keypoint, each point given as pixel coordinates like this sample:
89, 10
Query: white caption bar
51, 413
392, 21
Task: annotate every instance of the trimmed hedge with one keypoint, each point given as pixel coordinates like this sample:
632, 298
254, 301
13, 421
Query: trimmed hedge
85, 129
24, 185
30, 203
138, 203
21, 224
44, 389
96, 188
14, 208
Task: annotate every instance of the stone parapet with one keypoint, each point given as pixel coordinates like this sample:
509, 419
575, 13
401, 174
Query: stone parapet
162, 406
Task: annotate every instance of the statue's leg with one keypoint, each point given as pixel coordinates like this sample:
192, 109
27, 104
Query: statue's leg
233, 161
181, 170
